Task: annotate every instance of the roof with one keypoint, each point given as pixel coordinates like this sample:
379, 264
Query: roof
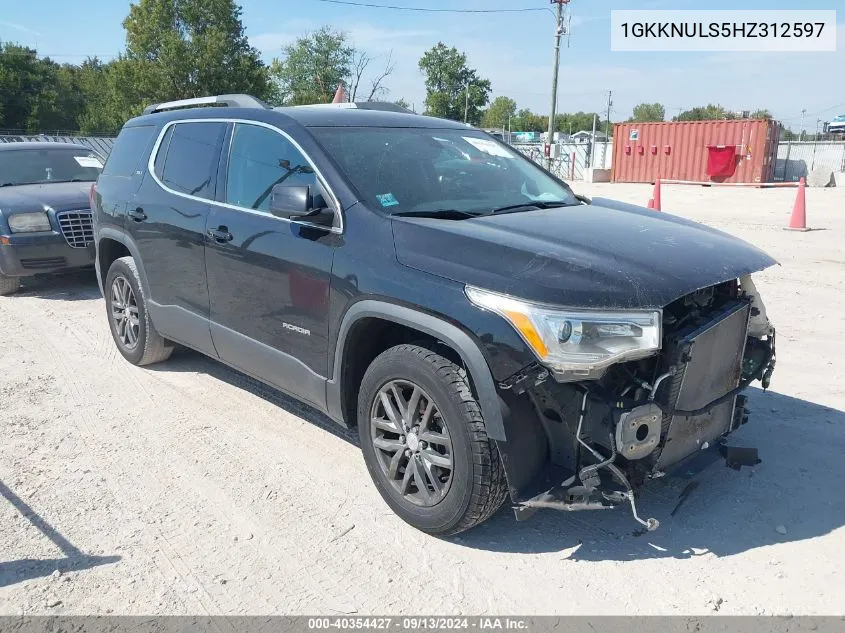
41, 145
307, 116
321, 116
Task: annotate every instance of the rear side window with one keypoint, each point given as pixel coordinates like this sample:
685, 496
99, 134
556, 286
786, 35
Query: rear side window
187, 157
259, 159
129, 152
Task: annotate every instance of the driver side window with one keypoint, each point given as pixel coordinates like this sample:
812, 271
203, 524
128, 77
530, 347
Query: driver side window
259, 159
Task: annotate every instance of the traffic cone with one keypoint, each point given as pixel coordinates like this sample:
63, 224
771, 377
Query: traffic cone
340, 94
798, 221
655, 197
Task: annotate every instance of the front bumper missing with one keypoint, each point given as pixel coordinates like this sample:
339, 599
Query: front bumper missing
697, 427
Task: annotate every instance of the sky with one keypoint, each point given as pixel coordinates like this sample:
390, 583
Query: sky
513, 50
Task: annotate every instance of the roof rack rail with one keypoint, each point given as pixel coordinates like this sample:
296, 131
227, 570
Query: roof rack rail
384, 106
232, 101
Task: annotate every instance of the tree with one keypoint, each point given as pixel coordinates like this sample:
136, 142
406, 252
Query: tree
527, 121
191, 48
403, 103
500, 111
645, 112
453, 89
312, 67
707, 113
761, 114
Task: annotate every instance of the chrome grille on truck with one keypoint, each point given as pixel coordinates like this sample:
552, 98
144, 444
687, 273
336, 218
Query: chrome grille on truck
76, 227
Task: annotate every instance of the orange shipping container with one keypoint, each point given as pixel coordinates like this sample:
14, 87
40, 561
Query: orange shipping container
742, 150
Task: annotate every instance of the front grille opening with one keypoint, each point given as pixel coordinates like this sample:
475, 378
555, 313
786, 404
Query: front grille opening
76, 227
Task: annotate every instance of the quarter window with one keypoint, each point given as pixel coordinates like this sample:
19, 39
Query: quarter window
187, 158
259, 159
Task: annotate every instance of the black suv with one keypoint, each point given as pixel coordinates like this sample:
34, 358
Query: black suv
489, 332
45, 215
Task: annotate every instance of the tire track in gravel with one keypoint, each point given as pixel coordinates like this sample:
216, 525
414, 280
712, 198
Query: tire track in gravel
210, 450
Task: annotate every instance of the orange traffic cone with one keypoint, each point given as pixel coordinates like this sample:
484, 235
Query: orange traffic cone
798, 221
340, 94
654, 203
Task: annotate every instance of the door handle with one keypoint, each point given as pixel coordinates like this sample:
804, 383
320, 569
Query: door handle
137, 214
220, 235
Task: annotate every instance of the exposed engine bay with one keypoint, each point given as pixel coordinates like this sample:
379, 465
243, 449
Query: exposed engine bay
645, 418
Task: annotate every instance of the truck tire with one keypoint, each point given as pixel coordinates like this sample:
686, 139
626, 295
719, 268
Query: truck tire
425, 443
9, 285
129, 321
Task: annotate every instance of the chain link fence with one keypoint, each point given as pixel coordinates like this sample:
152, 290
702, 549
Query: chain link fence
573, 159
100, 144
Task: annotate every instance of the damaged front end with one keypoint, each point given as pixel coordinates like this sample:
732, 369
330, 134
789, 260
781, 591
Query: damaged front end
609, 428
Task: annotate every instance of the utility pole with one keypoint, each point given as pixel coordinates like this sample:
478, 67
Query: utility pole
801, 132
592, 145
466, 107
606, 128
556, 65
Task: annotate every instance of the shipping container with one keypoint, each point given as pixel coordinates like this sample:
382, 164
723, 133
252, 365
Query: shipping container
736, 151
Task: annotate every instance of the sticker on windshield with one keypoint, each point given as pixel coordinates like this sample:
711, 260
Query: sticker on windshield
88, 161
488, 147
387, 199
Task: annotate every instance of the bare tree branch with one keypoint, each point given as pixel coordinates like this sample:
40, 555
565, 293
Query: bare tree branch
360, 61
376, 87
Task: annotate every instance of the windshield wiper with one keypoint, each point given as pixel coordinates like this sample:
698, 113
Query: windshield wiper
537, 204
443, 214
47, 182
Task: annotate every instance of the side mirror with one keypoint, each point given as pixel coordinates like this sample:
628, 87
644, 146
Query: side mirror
291, 201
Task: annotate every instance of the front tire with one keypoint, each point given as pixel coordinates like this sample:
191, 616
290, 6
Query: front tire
126, 308
9, 285
425, 443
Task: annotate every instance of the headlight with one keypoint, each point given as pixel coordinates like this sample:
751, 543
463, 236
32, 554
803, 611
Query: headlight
576, 344
29, 222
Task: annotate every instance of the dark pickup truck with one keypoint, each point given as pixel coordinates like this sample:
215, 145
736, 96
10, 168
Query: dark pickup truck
490, 333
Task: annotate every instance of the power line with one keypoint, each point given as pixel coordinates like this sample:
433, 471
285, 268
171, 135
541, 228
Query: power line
430, 10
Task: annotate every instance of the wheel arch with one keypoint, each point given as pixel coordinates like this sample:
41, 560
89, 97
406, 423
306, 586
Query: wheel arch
341, 385
111, 245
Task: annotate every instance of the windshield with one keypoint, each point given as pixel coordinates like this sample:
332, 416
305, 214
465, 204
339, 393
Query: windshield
407, 170
30, 166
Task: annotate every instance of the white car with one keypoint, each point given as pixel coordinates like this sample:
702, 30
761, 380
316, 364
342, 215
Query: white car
837, 125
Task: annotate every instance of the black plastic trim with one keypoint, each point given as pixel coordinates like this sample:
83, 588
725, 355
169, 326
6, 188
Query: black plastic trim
433, 326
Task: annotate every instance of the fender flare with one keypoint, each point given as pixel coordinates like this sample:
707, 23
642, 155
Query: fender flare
454, 337
120, 236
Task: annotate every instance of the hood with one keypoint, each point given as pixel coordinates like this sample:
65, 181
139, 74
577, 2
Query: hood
602, 255
59, 196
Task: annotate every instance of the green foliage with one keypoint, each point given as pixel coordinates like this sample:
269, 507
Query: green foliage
453, 89
312, 67
762, 114
646, 112
709, 112
190, 48
402, 103
497, 115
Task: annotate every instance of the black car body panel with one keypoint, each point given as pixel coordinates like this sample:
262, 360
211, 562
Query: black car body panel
298, 302
586, 256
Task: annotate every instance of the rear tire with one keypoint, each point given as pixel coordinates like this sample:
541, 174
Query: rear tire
9, 285
470, 483
126, 308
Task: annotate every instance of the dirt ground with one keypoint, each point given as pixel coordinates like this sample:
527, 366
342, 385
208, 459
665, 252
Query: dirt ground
185, 488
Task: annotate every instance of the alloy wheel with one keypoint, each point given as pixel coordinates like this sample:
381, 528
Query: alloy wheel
124, 312
411, 442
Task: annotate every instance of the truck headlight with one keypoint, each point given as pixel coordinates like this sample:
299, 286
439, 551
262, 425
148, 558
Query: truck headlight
29, 222
576, 344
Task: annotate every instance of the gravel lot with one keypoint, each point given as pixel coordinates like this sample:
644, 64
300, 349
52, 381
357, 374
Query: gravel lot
186, 488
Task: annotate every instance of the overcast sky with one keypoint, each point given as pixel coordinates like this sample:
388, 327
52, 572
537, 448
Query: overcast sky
513, 50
